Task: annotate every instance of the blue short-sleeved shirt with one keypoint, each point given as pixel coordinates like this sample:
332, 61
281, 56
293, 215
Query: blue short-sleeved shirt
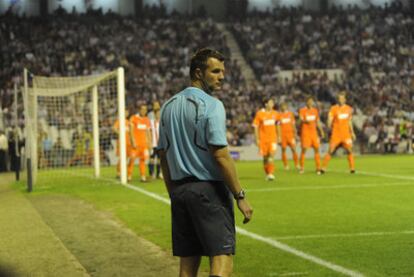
190, 122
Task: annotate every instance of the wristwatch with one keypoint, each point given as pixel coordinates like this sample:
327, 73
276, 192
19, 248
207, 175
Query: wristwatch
240, 195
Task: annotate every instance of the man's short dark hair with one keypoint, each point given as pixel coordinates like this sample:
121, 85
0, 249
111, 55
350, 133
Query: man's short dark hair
266, 100
309, 97
342, 93
200, 57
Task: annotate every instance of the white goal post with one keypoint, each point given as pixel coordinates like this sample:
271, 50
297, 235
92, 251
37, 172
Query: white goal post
69, 123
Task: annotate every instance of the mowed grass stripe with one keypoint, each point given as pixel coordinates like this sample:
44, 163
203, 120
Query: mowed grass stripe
336, 211
28, 247
254, 236
327, 187
325, 236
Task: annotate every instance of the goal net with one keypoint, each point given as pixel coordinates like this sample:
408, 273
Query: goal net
69, 125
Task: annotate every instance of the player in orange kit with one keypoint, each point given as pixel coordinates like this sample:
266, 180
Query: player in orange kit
264, 124
141, 140
310, 122
287, 134
340, 120
115, 128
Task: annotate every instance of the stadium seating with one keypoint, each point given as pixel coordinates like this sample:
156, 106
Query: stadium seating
374, 51
373, 47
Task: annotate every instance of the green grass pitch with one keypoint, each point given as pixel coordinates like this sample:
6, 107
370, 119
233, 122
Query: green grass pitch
363, 223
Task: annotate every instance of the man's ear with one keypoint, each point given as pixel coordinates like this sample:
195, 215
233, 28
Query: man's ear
198, 73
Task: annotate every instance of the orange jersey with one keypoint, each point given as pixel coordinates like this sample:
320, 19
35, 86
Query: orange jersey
266, 122
309, 119
116, 127
287, 123
341, 117
140, 127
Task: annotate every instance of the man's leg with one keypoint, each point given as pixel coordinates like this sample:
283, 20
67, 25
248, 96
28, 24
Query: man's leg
221, 265
189, 266
328, 156
130, 169
351, 161
151, 164
317, 158
271, 164
265, 167
334, 143
294, 155
284, 158
158, 168
142, 169
118, 168
302, 160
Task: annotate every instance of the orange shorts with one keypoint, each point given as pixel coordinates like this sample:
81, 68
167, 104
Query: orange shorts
336, 141
267, 148
310, 141
288, 141
140, 152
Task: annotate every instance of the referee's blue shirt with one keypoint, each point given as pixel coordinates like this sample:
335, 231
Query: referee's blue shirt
191, 121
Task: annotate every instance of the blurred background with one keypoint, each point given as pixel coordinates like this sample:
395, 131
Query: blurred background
285, 49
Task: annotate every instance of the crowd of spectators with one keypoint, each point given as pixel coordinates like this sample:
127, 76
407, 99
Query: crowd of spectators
374, 48
154, 50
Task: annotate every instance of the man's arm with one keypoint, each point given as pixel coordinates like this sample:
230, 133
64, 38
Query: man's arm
131, 134
279, 133
115, 130
330, 119
256, 135
351, 127
320, 129
295, 131
165, 171
222, 156
149, 139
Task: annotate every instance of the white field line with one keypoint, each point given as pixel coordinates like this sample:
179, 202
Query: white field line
288, 274
284, 247
376, 174
241, 231
349, 235
332, 187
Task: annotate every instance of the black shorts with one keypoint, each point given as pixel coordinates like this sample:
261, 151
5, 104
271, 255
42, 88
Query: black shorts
202, 219
154, 153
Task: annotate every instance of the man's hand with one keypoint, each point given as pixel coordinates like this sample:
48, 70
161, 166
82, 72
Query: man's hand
353, 136
245, 209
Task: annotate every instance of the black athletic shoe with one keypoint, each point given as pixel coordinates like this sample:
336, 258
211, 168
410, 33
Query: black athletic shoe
322, 171
352, 171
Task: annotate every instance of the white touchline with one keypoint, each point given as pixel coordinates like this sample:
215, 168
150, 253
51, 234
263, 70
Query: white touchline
344, 235
299, 253
288, 274
332, 187
269, 241
375, 174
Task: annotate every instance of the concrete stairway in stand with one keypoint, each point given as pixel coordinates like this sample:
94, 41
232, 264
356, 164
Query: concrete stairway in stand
236, 54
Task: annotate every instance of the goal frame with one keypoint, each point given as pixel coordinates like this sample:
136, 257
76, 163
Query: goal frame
30, 98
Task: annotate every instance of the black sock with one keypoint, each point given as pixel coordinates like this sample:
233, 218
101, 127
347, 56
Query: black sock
158, 170
151, 168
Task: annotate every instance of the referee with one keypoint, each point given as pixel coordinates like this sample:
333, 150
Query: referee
198, 171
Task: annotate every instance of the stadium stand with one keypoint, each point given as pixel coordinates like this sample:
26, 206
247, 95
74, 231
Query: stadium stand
373, 47
375, 53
